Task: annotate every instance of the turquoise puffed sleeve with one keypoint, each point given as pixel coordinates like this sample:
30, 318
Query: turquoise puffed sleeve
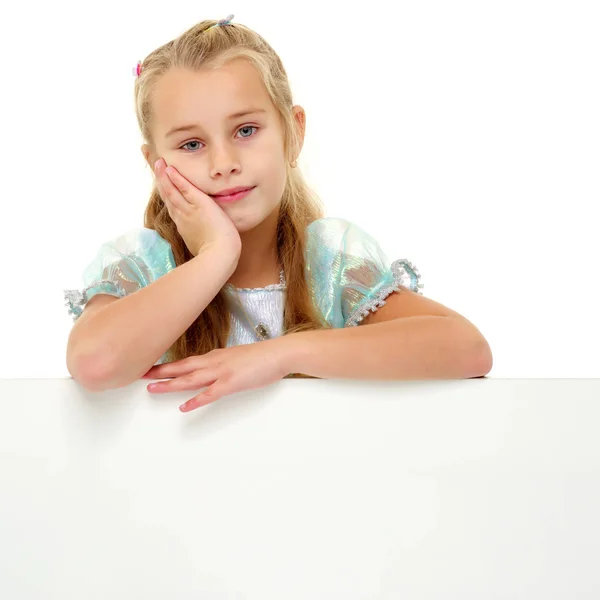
348, 273
122, 266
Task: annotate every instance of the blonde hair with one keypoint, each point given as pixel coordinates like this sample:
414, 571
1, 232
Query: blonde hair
201, 47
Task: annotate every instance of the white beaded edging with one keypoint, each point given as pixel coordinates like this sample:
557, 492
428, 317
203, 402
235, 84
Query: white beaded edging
267, 288
75, 299
399, 269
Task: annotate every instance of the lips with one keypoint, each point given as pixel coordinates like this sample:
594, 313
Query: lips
232, 197
232, 191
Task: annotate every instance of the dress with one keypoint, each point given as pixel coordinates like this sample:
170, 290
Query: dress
347, 272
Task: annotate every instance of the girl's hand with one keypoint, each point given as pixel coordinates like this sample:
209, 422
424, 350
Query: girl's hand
199, 219
226, 371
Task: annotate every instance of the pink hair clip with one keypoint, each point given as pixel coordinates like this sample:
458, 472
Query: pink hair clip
227, 21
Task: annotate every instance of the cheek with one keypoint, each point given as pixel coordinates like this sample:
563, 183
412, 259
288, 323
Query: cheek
274, 178
271, 153
269, 169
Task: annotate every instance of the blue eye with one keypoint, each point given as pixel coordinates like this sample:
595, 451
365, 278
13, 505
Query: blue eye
192, 142
241, 128
248, 127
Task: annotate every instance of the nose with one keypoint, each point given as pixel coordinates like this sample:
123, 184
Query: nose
224, 160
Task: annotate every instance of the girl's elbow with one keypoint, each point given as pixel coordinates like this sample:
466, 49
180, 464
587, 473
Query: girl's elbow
89, 373
482, 361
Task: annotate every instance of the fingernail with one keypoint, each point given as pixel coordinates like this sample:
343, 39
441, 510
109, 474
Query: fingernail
156, 164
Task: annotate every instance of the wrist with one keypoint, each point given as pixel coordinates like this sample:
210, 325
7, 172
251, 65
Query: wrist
221, 254
290, 351
222, 248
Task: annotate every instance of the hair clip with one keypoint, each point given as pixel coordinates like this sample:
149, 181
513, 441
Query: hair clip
137, 69
226, 21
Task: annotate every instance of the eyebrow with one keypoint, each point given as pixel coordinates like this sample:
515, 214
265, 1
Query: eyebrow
243, 113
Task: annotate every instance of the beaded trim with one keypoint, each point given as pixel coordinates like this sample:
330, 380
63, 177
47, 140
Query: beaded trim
268, 288
75, 299
399, 269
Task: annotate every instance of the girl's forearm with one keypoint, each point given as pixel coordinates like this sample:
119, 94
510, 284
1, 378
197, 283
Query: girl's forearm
420, 347
120, 342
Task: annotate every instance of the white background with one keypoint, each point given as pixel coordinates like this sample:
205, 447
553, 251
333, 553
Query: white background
463, 136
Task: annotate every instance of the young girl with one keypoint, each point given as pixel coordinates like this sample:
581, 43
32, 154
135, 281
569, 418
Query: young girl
235, 250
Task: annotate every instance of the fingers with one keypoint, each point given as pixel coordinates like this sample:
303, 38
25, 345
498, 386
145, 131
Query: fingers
152, 373
175, 369
213, 393
180, 184
167, 188
192, 381
170, 204
189, 371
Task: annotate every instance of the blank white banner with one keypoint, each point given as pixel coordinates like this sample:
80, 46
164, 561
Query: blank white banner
315, 489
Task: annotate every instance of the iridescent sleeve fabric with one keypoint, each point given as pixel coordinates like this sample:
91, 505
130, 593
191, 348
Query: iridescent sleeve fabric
348, 273
122, 266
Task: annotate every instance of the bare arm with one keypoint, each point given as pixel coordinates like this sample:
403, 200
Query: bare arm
121, 338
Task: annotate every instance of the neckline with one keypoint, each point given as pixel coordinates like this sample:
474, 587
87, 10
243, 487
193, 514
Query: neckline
268, 288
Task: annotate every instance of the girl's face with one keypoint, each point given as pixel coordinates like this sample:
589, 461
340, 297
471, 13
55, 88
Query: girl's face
220, 150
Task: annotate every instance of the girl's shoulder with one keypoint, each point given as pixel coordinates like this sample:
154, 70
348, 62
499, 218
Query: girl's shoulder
139, 245
137, 241
121, 266
336, 234
336, 228
348, 271
329, 225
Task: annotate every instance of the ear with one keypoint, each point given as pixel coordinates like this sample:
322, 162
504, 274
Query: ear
300, 120
149, 156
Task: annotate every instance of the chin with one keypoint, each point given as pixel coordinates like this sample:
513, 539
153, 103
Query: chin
246, 222
249, 217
